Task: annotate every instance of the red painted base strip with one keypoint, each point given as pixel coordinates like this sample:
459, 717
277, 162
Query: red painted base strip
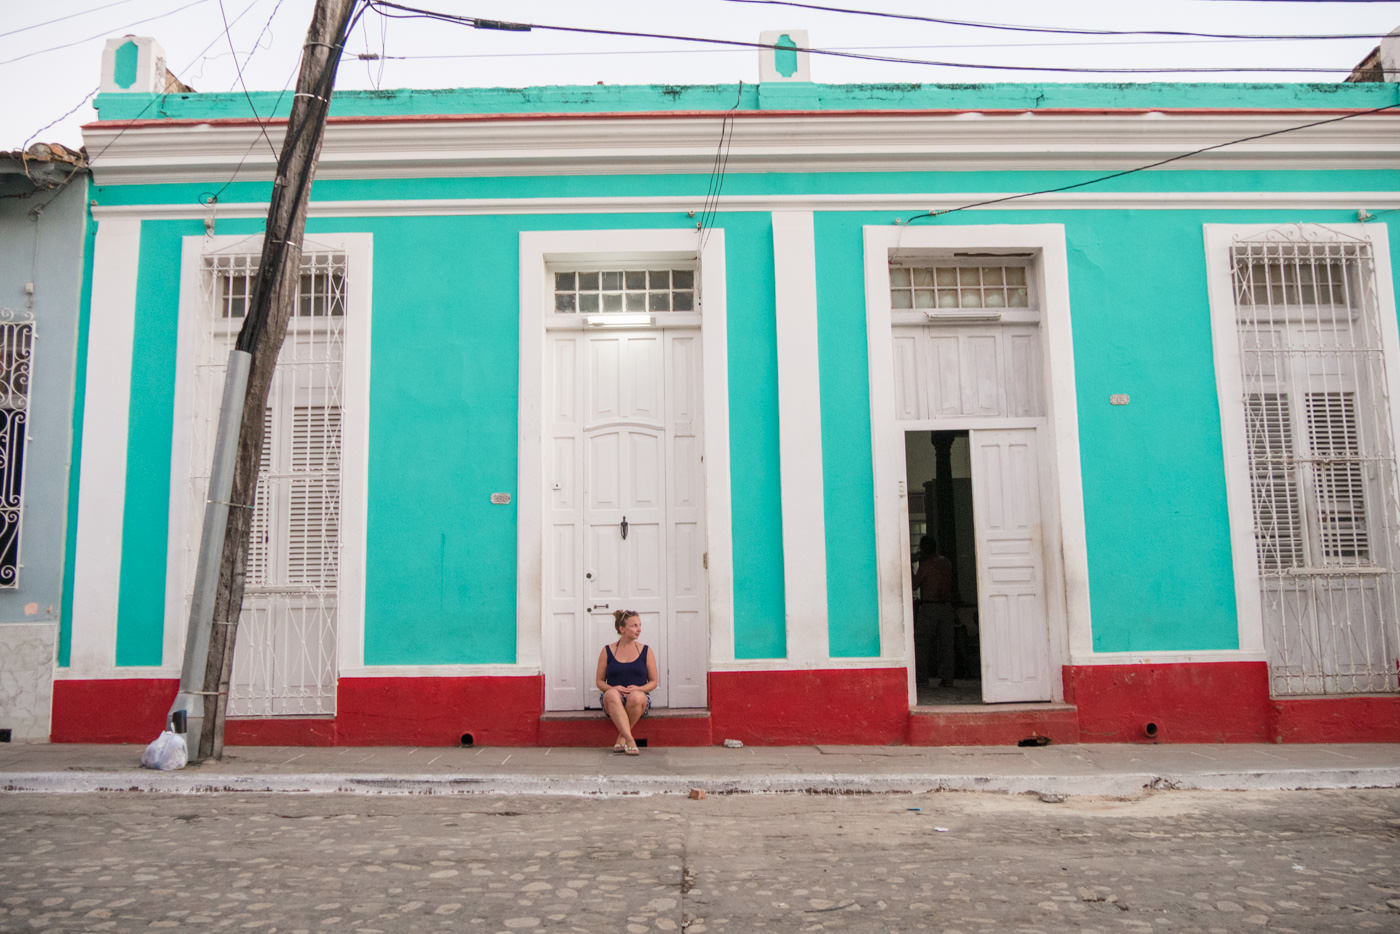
865, 706
128, 710
1337, 720
1220, 702
279, 732
992, 726
490, 711
1184, 703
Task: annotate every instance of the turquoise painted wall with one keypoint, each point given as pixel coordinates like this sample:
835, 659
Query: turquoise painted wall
760, 610
749, 97
848, 482
444, 376
443, 422
440, 585
146, 517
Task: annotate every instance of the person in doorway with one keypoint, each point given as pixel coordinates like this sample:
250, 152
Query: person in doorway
626, 677
933, 581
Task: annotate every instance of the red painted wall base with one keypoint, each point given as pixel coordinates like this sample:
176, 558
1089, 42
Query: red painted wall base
993, 725
1222, 702
1219, 702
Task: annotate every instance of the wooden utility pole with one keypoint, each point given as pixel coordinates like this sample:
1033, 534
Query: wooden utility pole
264, 327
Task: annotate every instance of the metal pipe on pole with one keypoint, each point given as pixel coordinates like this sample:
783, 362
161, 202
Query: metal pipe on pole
261, 337
187, 712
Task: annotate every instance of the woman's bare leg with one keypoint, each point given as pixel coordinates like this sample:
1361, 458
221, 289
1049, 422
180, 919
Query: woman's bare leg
617, 712
636, 706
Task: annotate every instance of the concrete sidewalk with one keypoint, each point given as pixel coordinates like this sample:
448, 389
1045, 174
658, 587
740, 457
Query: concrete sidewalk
1117, 770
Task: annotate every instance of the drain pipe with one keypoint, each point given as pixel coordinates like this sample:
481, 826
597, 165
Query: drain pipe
187, 713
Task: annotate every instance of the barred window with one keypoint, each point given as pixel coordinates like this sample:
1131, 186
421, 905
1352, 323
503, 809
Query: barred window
16, 350
320, 290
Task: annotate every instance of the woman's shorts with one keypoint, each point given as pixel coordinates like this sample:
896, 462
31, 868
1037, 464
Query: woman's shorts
648, 707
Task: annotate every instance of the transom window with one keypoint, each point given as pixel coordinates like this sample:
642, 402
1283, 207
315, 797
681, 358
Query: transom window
958, 286
1284, 276
624, 290
320, 291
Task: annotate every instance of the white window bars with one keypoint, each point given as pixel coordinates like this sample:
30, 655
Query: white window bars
16, 356
285, 658
1322, 465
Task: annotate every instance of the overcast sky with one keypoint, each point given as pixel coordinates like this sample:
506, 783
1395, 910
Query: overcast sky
50, 52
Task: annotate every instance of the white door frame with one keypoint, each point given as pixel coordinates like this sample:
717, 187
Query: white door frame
1067, 565
539, 250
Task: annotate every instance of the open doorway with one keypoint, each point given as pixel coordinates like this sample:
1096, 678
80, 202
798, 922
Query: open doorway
943, 559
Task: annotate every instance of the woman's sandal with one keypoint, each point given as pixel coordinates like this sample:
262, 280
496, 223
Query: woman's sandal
620, 746
632, 750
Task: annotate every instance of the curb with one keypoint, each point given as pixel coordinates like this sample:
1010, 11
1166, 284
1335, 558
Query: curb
1125, 784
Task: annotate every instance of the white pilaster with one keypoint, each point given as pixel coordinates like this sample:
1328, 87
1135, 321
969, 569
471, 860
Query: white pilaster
800, 436
102, 487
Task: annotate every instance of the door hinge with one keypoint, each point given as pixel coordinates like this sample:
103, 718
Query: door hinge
705, 560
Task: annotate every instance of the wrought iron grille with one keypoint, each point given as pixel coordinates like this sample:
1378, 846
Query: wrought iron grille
16, 356
1323, 477
284, 662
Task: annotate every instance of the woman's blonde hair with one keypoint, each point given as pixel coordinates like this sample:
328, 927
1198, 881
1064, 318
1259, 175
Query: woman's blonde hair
621, 616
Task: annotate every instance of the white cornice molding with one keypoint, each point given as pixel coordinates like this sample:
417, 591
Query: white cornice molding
614, 145
900, 205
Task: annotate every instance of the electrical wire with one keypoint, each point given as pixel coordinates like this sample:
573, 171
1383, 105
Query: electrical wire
583, 53
406, 12
50, 22
238, 69
257, 42
92, 159
103, 34
1152, 165
1062, 30
89, 96
710, 206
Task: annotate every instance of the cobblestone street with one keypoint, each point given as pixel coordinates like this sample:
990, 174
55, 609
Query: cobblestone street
1174, 861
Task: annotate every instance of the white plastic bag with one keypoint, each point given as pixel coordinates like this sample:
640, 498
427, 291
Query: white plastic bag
167, 751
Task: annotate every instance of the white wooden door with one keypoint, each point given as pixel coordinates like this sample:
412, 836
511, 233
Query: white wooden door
624, 493
1010, 566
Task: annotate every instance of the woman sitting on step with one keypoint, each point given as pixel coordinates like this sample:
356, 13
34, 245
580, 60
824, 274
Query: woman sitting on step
626, 677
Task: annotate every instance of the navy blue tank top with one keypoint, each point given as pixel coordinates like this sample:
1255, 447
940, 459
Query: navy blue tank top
626, 674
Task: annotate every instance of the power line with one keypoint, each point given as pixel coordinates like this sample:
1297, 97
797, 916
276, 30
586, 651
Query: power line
584, 53
228, 37
50, 22
407, 12
1063, 30
87, 97
1152, 165
103, 34
92, 159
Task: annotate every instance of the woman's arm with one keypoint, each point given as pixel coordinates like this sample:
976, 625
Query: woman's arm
652, 680
600, 678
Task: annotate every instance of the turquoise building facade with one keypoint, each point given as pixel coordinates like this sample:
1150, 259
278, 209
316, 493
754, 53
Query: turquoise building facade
725, 355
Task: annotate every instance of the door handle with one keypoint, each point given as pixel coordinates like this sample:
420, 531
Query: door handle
624, 528
597, 606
